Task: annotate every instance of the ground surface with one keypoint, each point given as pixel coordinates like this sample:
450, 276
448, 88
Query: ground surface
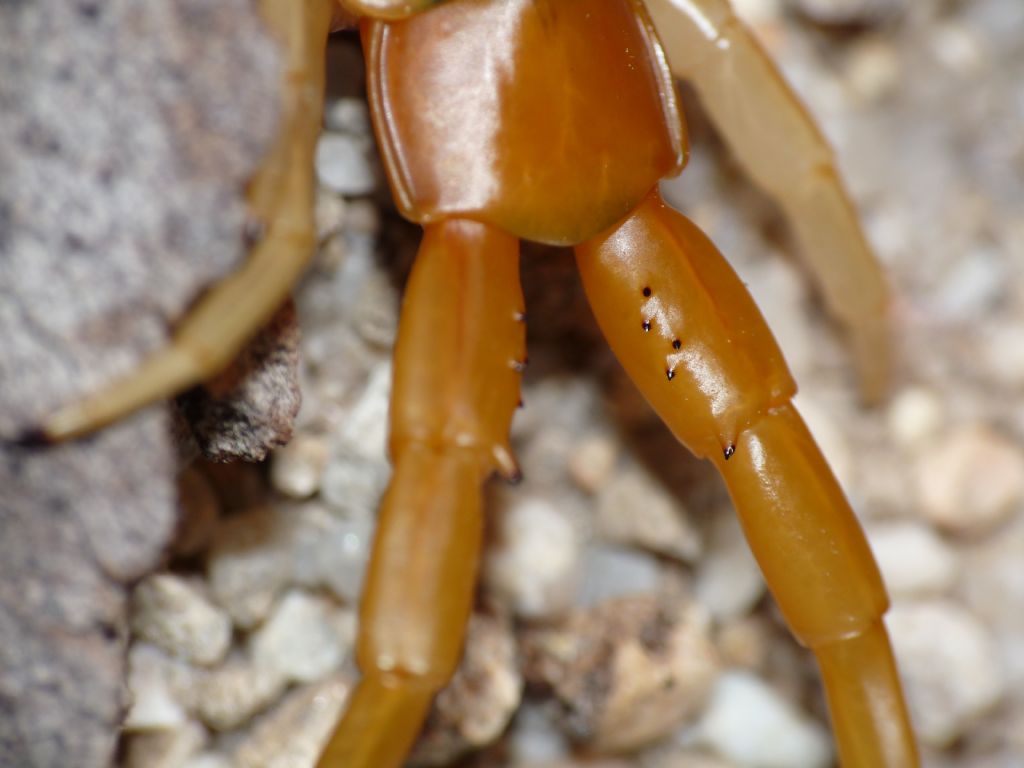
923, 103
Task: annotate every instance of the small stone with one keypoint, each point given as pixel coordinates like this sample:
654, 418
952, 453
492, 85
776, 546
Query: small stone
971, 479
353, 485
633, 508
1004, 354
748, 723
610, 572
626, 672
973, 285
874, 70
298, 641
534, 566
915, 416
343, 164
155, 685
958, 47
250, 564
175, 615
375, 315
591, 462
330, 212
330, 551
296, 468
728, 580
167, 748
949, 666
231, 694
534, 740
295, 731
364, 431
744, 643
347, 116
914, 561
477, 705
992, 584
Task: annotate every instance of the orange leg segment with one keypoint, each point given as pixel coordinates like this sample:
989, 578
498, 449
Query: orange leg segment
682, 325
460, 346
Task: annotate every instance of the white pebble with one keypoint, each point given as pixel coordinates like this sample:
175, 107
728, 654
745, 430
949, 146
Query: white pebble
296, 469
591, 462
633, 508
250, 564
343, 163
364, 432
298, 640
748, 723
728, 579
231, 694
155, 682
534, 738
535, 566
970, 480
1004, 354
610, 572
331, 551
914, 561
874, 69
294, 732
353, 485
958, 47
347, 116
175, 615
949, 667
915, 416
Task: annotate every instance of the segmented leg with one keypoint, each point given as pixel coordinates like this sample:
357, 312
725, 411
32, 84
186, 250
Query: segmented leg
281, 195
460, 347
690, 337
774, 138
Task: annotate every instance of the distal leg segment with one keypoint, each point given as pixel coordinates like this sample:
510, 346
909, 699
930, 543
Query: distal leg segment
690, 337
779, 144
460, 347
281, 195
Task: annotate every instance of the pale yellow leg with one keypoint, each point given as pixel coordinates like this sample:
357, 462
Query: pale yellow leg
281, 194
782, 149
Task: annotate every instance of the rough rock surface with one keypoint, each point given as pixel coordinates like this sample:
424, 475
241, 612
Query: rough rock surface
126, 133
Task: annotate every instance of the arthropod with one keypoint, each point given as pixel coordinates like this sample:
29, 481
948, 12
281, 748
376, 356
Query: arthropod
553, 120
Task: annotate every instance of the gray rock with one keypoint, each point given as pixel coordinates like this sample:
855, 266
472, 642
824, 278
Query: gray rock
126, 134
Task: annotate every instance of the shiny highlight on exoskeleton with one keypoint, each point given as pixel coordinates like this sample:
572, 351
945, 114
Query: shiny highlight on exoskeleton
554, 120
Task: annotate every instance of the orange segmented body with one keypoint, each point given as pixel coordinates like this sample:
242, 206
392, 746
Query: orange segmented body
474, 122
